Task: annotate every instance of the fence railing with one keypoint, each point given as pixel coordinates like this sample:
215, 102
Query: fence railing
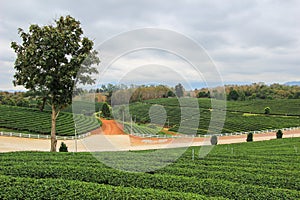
37, 136
209, 135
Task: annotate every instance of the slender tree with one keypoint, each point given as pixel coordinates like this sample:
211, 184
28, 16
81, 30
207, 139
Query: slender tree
179, 90
106, 111
52, 59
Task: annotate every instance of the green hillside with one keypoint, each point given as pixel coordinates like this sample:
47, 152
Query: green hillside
32, 120
257, 170
241, 116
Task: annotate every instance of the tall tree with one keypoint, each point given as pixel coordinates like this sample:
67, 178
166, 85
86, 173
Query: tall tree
106, 111
52, 59
179, 90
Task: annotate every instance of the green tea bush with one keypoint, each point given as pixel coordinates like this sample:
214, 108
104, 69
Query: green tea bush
63, 147
279, 134
214, 140
249, 137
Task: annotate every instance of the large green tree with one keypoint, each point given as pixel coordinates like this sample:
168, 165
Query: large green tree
52, 59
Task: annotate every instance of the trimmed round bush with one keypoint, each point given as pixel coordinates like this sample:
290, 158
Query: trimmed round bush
279, 134
63, 147
214, 140
249, 137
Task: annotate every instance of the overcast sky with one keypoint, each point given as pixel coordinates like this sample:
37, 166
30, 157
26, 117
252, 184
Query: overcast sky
249, 41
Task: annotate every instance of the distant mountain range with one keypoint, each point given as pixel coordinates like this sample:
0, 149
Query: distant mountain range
292, 83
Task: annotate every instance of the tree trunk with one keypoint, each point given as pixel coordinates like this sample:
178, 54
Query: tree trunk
43, 104
53, 129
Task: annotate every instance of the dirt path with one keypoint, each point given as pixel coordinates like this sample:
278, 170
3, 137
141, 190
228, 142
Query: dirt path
111, 137
100, 142
111, 127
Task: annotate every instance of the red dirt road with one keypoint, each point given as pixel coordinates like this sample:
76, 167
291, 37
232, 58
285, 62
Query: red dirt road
111, 127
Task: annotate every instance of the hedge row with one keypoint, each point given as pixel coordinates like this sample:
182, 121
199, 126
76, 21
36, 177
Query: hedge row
28, 188
171, 183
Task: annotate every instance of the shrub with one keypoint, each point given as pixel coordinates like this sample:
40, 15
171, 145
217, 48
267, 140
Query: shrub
267, 110
214, 140
106, 111
250, 137
63, 147
279, 134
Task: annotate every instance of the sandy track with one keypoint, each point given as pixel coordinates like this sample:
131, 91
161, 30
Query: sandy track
115, 143
112, 137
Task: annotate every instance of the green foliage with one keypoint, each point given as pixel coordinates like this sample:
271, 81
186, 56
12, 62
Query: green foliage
170, 93
63, 147
233, 95
106, 111
249, 137
14, 99
279, 134
214, 140
259, 91
251, 171
51, 60
267, 110
203, 94
49, 70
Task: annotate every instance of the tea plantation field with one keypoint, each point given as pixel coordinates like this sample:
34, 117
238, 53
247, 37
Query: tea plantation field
257, 170
241, 116
32, 120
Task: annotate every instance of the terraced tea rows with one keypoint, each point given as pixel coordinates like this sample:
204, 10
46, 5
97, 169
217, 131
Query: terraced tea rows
257, 170
32, 120
278, 106
241, 116
142, 129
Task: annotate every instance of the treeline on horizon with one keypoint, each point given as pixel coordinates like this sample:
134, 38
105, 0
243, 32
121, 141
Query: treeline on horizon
134, 93
233, 92
260, 91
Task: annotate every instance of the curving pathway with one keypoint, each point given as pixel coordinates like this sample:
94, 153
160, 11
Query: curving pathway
112, 138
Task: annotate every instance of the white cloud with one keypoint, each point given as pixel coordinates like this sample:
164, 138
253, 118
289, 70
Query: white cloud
249, 40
